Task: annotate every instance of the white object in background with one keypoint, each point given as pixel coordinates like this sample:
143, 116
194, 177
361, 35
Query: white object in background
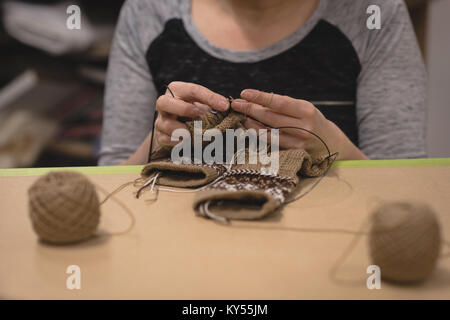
16, 88
23, 135
45, 27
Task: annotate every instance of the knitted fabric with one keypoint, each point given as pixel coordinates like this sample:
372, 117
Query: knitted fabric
247, 192
182, 175
192, 175
220, 120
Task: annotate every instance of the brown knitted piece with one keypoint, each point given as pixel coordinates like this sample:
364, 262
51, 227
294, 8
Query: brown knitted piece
246, 193
192, 175
182, 175
221, 121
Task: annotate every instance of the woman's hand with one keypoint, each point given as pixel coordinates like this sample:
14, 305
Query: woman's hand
282, 111
190, 101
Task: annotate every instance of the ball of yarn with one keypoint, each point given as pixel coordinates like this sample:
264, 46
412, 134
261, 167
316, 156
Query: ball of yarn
64, 207
404, 241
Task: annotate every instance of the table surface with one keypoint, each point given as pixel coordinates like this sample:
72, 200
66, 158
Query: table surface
173, 254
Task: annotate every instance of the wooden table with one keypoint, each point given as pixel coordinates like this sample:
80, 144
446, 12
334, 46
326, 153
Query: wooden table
172, 254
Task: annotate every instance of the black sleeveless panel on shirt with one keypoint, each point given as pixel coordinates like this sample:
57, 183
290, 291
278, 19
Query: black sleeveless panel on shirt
322, 68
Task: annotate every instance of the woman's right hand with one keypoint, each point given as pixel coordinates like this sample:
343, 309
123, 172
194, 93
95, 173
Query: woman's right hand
190, 101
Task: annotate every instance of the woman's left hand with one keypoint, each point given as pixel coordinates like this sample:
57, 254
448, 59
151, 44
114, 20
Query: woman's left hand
282, 111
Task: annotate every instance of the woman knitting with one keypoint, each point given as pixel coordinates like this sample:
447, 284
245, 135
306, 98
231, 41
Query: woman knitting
313, 64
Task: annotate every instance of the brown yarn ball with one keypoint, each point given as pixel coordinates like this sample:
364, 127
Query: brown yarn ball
404, 241
64, 207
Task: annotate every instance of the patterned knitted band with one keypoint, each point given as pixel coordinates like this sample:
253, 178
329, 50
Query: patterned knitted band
247, 193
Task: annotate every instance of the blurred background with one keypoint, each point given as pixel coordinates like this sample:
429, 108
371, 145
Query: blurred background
52, 79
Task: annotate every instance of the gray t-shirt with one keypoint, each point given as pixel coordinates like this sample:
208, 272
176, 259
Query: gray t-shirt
371, 83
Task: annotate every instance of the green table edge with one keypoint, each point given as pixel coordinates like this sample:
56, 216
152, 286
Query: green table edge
430, 162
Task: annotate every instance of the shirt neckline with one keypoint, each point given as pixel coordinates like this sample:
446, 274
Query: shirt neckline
249, 55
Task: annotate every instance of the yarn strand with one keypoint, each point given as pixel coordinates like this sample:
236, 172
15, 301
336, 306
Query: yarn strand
111, 196
120, 188
345, 254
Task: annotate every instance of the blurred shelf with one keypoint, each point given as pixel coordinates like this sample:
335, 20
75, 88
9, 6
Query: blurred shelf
70, 86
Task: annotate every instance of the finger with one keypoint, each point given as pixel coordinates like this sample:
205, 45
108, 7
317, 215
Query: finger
253, 124
203, 107
259, 128
168, 125
266, 116
288, 141
272, 119
164, 115
285, 141
164, 139
169, 105
278, 103
196, 93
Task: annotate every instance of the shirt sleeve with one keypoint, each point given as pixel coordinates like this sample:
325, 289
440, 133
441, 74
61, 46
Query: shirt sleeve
391, 97
130, 94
